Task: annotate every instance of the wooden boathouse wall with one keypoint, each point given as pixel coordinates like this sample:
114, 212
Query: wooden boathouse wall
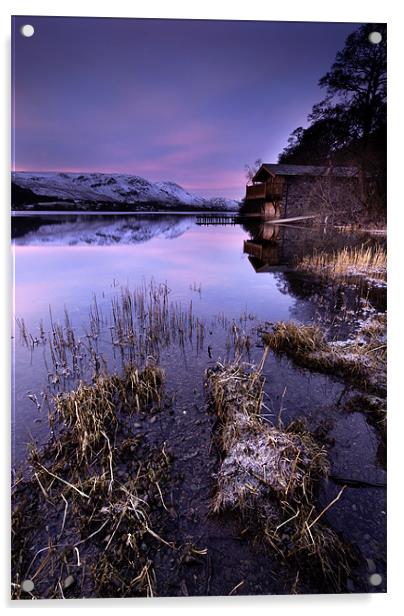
283, 191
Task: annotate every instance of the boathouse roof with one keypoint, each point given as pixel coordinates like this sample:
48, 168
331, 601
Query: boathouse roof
274, 169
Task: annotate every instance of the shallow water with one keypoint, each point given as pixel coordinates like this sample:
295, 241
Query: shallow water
231, 274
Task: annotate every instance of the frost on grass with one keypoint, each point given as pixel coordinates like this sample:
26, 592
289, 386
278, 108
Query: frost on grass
269, 474
259, 459
360, 360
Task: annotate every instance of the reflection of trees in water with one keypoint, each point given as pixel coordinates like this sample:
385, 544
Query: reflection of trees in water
333, 303
296, 284
337, 295
286, 245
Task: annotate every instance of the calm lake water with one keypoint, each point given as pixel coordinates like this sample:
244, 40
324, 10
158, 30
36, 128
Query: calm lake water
232, 275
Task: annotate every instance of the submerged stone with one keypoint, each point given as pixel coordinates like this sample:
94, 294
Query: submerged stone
69, 581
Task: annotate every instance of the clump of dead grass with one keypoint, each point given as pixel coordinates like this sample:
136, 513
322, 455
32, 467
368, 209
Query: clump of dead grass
301, 340
269, 474
360, 360
367, 261
90, 411
85, 507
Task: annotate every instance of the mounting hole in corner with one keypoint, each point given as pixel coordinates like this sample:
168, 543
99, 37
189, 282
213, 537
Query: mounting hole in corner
27, 30
375, 38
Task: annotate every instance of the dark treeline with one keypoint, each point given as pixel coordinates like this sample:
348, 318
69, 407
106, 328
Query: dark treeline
348, 127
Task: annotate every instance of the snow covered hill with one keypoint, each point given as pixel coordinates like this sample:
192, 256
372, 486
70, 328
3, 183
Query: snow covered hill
112, 188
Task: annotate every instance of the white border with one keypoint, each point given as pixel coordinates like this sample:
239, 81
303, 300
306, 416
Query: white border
293, 10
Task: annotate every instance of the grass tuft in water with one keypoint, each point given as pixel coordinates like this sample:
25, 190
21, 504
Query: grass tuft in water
269, 475
90, 411
360, 360
367, 261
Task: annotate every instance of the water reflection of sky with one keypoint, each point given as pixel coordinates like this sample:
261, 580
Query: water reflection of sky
212, 257
51, 271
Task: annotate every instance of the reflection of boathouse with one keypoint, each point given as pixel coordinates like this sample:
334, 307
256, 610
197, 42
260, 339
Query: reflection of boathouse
274, 247
296, 190
263, 248
262, 255
278, 247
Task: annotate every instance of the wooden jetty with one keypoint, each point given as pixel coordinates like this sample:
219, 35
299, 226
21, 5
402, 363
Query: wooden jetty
205, 220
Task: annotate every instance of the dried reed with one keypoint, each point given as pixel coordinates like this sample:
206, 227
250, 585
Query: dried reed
370, 262
94, 484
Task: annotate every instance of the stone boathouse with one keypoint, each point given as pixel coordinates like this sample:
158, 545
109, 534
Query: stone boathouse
285, 191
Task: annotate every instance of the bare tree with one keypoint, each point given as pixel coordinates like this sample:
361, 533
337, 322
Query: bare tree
251, 170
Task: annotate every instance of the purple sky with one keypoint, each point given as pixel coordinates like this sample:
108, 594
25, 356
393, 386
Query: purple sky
186, 101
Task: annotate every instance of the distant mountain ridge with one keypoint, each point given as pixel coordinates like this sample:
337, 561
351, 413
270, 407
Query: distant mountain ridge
105, 188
